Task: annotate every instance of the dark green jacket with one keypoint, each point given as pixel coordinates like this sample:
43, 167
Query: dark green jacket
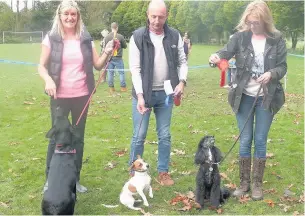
274, 61
123, 44
55, 61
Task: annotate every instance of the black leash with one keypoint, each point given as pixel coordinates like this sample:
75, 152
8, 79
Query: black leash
250, 113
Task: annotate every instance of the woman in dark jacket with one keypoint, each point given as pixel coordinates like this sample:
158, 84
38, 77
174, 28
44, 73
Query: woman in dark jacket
66, 66
260, 53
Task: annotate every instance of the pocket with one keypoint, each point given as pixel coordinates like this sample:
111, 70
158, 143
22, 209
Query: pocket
231, 97
278, 99
272, 60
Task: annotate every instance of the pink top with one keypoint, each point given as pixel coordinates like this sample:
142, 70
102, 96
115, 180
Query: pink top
72, 77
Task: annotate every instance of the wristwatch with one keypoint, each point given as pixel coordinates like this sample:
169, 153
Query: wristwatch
183, 80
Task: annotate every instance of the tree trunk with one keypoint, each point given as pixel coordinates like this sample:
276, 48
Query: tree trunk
294, 39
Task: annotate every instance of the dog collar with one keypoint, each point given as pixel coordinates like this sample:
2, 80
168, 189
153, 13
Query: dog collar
63, 152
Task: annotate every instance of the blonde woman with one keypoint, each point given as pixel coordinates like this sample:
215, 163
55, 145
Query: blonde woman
66, 66
260, 53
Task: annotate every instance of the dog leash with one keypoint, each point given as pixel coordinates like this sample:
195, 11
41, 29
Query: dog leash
137, 137
116, 46
251, 110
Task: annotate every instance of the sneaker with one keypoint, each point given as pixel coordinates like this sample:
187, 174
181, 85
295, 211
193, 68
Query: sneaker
123, 89
80, 188
111, 90
165, 179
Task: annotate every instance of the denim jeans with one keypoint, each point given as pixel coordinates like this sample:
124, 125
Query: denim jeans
163, 114
75, 106
119, 65
260, 127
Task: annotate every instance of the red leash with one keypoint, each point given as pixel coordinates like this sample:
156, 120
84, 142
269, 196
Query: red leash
116, 46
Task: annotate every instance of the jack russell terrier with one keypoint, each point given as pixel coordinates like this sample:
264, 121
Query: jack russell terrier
137, 184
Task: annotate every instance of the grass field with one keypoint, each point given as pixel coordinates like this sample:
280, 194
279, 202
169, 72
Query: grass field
25, 118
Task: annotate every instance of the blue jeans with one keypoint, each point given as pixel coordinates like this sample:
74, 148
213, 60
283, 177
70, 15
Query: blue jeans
261, 126
119, 65
163, 114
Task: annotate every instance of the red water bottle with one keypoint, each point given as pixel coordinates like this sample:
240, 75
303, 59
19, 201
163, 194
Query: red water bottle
177, 100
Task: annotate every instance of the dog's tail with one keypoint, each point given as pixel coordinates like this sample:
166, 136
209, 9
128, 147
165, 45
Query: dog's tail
225, 193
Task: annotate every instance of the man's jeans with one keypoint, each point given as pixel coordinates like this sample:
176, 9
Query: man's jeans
119, 65
163, 114
263, 120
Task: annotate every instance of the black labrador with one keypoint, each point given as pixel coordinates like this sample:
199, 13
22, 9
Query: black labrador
60, 197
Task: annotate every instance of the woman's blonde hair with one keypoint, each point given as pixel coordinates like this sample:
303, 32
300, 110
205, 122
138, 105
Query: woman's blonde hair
57, 26
259, 9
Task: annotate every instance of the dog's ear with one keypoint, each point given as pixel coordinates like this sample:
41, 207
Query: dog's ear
200, 156
51, 132
217, 154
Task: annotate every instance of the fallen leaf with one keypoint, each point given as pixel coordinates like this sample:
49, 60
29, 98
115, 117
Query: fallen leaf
277, 176
28, 103
288, 199
270, 191
269, 155
301, 199
190, 195
14, 143
36, 159
230, 185
270, 202
172, 171
295, 213
145, 213
190, 126
32, 196
5, 205
286, 207
272, 164
185, 172
219, 211
244, 199
121, 153
110, 165
224, 176
290, 186
156, 188
178, 152
186, 208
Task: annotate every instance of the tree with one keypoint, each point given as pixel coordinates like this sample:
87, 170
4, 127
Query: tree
7, 18
289, 18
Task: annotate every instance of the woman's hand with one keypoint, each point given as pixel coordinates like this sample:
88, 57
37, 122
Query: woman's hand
50, 88
214, 58
264, 78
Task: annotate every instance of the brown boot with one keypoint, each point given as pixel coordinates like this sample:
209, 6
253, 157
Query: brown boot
111, 90
123, 89
257, 178
244, 175
165, 179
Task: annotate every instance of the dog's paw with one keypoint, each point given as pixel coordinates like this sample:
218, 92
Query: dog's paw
146, 204
151, 195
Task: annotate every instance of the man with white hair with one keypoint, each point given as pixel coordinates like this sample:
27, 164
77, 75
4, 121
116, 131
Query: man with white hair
156, 57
